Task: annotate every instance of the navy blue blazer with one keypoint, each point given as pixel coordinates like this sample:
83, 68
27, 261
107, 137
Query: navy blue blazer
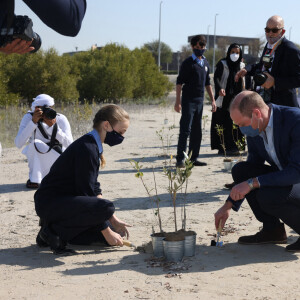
286, 71
286, 132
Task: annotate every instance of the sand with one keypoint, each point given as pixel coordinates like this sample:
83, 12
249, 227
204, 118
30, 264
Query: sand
232, 272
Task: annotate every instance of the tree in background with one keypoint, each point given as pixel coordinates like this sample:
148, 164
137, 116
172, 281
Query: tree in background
186, 51
209, 56
165, 51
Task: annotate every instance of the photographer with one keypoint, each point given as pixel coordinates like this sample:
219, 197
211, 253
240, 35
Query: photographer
48, 134
63, 16
277, 75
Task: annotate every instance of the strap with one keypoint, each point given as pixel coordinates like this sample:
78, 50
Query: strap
53, 140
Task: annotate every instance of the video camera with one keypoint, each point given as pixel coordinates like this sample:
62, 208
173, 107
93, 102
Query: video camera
48, 112
18, 27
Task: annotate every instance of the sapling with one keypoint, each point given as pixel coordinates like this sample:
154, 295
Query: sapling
220, 132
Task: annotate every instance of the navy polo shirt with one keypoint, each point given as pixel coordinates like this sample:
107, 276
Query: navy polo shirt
194, 78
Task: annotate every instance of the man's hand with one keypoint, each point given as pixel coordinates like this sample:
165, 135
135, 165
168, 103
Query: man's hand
240, 74
222, 93
99, 196
222, 214
37, 115
112, 238
239, 191
119, 226
49, 122
17, 46
177, 107
213, 106
269, 82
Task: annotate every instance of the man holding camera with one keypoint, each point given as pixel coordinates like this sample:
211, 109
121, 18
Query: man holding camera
47, 134
16, 34
277, 75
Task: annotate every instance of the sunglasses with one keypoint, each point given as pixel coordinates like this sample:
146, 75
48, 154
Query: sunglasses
274, 30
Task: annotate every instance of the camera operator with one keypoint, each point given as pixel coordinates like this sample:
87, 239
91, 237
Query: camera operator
63, 16
47, 134
277, 75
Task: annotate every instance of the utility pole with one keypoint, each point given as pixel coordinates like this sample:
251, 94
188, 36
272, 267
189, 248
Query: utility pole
208, 37
214, 55
158, 60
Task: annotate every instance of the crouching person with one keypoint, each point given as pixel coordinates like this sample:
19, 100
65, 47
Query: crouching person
272, 190
47, 134
69, 200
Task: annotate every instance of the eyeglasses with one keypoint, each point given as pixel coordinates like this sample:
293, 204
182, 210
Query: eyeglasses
274, 30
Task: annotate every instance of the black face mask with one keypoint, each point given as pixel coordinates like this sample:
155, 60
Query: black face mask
113, 138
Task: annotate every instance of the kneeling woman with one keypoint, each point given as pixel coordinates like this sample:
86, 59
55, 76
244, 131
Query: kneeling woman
69, 200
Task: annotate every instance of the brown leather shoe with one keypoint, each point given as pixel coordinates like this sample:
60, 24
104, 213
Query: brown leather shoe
276, 236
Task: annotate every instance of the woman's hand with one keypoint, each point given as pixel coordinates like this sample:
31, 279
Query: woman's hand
222, 93
119, 226
112, 238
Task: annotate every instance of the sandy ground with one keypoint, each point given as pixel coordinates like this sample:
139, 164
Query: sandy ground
233, 272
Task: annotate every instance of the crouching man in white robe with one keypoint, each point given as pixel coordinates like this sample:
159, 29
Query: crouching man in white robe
45, 135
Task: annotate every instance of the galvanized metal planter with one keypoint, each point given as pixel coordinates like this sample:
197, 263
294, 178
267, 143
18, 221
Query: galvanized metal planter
158, 247
190, 245
174, 250
227, 165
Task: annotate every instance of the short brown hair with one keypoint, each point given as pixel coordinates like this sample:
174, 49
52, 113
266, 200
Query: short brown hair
248, 103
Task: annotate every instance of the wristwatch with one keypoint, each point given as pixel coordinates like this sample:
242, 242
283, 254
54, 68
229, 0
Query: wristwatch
250, 183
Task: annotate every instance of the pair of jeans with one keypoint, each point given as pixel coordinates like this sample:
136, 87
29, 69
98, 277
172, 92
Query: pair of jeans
190, 126
270, 204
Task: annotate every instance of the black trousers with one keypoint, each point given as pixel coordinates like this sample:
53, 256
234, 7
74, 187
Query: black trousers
190, 126
270, 204
75, 218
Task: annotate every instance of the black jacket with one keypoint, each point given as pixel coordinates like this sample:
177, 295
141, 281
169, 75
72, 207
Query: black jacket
286, 71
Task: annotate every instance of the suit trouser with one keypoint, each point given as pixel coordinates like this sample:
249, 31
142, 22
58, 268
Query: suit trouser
80, 217
272, 203
190, 126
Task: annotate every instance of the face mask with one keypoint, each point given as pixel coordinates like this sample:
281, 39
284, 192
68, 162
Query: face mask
249, 131
234, 57
199, 52
113, 138
273, 40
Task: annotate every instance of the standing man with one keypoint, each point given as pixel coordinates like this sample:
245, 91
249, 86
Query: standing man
273, 190
280, 62
192, 79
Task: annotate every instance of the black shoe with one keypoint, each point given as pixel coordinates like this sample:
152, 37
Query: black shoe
295, 247
40, 242
276, 236
229, 185
180, 164
47, 236
198, 163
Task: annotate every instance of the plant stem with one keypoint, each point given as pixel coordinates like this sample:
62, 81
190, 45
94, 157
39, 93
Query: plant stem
157, 202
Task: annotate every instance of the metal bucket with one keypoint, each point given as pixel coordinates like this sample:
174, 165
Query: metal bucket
174, 250
157, 244
190, 245
227, 165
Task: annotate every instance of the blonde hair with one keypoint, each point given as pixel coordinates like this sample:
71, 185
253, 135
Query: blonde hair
113, 114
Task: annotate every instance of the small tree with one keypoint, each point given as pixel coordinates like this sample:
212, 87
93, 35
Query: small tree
165, 51
220, 132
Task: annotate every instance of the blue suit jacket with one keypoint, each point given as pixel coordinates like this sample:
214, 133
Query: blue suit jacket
286, 132
286, 71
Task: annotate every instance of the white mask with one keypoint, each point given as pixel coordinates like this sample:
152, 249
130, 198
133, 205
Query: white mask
234, 57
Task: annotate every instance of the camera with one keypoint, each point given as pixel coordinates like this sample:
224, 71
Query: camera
260, 78
48, 112
21, 28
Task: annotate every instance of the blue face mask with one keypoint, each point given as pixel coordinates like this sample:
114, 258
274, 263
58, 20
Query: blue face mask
199, 52
249, 131
113, 138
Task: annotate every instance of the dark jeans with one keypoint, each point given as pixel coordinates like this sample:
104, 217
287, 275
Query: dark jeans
190, 126
269, 204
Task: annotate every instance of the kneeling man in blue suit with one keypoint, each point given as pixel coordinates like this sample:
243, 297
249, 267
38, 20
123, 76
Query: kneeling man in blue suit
273, 189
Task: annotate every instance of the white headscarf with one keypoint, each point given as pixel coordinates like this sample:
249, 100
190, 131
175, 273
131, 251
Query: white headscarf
42, 99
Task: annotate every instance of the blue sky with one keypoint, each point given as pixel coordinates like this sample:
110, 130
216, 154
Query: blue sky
135, 22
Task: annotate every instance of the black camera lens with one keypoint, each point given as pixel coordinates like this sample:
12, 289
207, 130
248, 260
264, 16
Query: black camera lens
260, 79
36, 43
48, 112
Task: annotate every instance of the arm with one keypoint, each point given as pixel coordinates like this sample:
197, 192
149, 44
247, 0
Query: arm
212, 98
64, 17
177, 105
217, 77
27, 127
293, 65
64, 134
